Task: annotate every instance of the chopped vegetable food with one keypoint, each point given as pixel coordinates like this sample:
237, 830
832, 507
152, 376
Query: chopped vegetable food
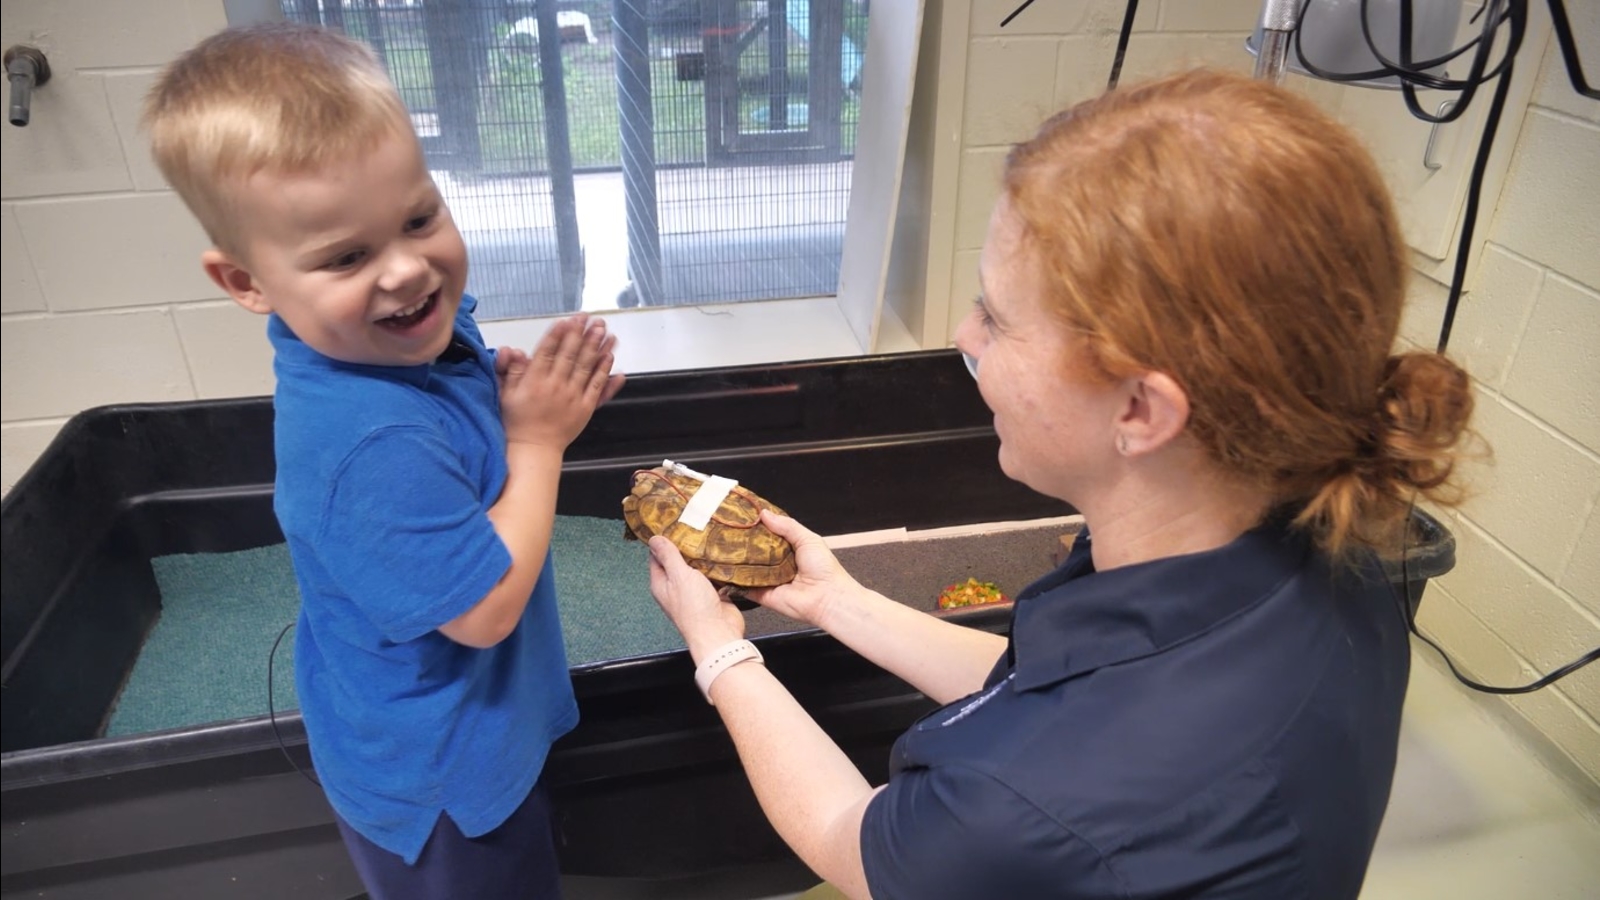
971, 592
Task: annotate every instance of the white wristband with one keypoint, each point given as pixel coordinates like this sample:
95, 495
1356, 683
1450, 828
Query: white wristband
726, 657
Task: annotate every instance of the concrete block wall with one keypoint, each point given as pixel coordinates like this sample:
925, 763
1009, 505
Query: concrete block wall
1525, 595
103, 297
1052, 55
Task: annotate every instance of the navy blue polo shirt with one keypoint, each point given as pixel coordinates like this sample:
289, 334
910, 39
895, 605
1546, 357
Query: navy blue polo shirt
1221, 724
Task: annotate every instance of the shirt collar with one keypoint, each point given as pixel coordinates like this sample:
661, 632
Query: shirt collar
1076, 620
293, 351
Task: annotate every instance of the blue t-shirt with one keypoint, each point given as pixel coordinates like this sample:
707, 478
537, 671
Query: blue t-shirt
385, 478
1219, 724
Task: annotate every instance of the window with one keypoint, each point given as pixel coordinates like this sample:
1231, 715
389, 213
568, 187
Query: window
657, 154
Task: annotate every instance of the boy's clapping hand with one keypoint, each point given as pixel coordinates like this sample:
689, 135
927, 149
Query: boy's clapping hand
547, 397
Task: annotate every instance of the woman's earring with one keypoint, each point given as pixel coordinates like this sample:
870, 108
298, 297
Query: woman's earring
1122, 444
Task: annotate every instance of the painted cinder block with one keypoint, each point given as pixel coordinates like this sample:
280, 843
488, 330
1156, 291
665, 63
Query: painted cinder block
146, 250
1581, 578
227, 349
1010, 89
1546, 211
94, 34
1534, 495
70, 145
1209, 15
1491, 318
976, 194
1555, 374
1530, 613
125, 93
1486, 658
20, 444
19, 286
60, 365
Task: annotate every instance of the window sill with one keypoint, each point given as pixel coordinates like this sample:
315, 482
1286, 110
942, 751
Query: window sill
693, 337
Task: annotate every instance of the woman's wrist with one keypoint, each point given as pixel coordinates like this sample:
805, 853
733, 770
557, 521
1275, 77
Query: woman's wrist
719, 661
706, 641
835, 604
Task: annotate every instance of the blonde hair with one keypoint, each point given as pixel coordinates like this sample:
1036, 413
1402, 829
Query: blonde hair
1228, 233
279, 97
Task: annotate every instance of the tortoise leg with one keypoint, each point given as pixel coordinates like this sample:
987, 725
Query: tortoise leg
735, 595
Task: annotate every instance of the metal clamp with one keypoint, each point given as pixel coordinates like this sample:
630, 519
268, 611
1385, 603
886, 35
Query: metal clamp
1433, 134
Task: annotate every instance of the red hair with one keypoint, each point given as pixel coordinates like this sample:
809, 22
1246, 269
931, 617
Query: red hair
1228, 233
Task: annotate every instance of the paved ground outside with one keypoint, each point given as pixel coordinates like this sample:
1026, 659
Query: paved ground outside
727, 235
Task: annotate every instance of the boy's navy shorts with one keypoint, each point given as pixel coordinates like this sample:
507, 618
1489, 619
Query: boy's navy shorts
516, 860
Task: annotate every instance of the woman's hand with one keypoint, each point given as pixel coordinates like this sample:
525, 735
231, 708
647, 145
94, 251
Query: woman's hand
705, 620
819, 583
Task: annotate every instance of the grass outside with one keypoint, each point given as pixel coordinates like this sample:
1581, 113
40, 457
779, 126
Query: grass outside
511, 113
409, 67
511, 106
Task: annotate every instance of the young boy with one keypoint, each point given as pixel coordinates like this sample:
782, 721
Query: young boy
417, 470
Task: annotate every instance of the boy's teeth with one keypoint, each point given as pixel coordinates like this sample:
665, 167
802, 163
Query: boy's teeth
410, 311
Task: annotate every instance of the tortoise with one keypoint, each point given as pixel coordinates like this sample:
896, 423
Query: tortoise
734, 550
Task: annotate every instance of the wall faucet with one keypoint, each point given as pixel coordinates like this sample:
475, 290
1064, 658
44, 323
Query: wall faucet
26, 68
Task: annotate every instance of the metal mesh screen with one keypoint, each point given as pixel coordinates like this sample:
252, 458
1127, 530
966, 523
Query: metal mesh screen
658, 152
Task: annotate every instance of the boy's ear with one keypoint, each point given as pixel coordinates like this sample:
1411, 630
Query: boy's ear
235, 279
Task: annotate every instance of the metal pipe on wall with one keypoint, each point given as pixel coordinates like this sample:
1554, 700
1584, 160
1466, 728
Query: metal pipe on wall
1278, 19
26, 69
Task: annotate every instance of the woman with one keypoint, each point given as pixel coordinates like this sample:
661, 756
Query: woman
1190, 293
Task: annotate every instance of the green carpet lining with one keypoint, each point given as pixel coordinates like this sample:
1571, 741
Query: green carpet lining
206, 658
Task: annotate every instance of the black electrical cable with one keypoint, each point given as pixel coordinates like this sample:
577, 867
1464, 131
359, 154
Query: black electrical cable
1569, 50
1128, 15
1015, 12
1371, 74
272, 712
1480, 165
1416, 68
1515, 15
1414, 74
1408, 614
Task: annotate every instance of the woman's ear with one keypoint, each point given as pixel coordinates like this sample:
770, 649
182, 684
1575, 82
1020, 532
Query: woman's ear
235, 279
1156, 412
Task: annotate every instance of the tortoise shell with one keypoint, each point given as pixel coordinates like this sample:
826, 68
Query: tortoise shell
733, 549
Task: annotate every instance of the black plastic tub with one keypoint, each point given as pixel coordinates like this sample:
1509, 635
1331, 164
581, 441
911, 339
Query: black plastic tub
647, 786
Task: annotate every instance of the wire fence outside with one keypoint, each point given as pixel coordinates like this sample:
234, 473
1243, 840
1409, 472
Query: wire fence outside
741, 196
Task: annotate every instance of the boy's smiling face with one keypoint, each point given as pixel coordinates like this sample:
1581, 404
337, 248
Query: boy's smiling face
360, 258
